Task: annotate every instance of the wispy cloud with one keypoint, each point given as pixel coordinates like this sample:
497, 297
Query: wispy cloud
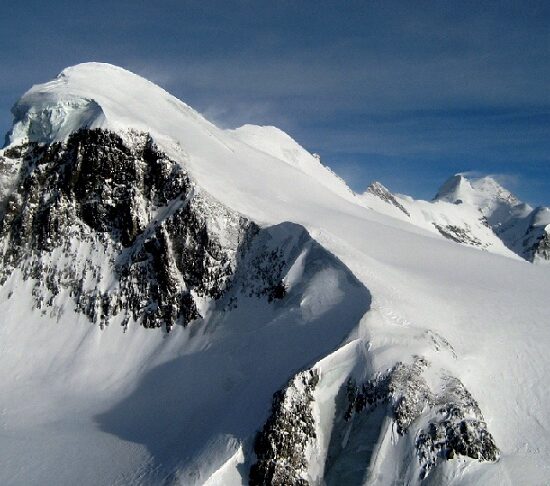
458, 85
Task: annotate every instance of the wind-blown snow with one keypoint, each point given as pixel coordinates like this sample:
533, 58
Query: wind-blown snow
78, 404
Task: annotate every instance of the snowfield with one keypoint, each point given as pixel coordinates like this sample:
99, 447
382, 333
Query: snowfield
368, 290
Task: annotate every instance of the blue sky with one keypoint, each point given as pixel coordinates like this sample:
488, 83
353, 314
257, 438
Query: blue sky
403, 92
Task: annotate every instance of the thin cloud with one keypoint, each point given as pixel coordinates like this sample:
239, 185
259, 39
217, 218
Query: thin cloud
393, 81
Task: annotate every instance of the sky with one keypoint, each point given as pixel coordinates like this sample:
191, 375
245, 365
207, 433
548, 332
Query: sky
407, 93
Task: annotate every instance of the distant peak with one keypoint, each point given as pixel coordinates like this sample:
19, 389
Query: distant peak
454, 189
377, 188
485, 193
490, 186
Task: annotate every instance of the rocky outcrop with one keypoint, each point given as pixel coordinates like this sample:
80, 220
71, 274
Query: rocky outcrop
402, 386
449, 421
121, 229
541, 249
281, 445
536, 239
457, 234
457, 428
383, 193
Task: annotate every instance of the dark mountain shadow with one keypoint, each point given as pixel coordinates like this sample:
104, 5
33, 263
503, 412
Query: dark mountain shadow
197, 408
349, 465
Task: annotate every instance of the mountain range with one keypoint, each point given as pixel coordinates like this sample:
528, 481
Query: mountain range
185, 304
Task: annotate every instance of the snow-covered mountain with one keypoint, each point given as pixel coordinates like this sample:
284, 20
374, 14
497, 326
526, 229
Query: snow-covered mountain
476, 212
184, 304
524, 230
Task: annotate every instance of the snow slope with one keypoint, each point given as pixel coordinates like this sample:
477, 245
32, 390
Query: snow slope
83, 405
277, 143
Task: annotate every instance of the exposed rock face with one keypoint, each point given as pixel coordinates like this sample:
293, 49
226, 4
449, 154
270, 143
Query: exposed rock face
383, 193
536, 239
453, 422
458, 427
403, 386
457, 234
281, 445
118, 226
541, 250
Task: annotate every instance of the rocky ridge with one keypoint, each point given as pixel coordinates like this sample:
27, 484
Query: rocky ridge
122, 229
377, 189
448, 421
281, 445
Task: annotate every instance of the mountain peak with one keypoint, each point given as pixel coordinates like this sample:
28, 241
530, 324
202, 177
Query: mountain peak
454, 189
87, 67
490, 187
482, 192
378, 189
98, 95
501, 210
